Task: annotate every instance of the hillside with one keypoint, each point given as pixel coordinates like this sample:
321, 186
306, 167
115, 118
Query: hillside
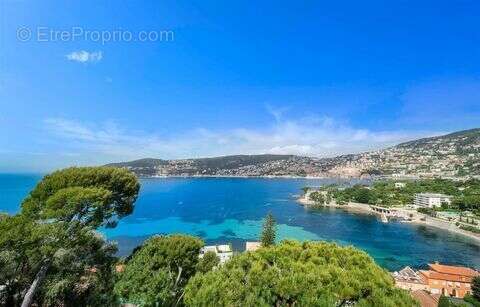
455, 154
237, 165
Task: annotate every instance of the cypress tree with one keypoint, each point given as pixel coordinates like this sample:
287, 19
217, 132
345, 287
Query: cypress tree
269, 231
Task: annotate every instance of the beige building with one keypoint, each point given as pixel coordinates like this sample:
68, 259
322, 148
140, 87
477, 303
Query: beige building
449, 280
252, 246
439, 280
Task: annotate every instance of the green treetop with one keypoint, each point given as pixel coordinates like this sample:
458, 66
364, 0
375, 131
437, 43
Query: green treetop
443, 301
317, 197
297, 274
269, 231
208, 262
476, 288
93, 196
157, 272
54, 255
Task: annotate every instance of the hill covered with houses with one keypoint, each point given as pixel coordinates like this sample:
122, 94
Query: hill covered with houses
452, 155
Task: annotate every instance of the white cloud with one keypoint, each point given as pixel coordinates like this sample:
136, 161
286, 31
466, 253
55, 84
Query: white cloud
83, 56
321, 137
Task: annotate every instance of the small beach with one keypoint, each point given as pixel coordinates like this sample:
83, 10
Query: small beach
416, 217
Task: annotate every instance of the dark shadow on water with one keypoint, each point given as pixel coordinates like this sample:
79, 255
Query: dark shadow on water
228, 233
427, 232
201, 234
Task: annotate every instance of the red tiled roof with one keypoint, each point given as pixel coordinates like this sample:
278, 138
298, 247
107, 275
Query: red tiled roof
448, 277
454, 270
425, 299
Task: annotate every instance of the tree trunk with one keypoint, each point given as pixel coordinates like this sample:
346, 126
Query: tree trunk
28, 298
178, 276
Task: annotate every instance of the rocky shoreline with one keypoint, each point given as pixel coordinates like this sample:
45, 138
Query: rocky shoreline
352, 207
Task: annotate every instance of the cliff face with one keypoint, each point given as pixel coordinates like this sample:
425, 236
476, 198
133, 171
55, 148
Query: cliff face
455, 154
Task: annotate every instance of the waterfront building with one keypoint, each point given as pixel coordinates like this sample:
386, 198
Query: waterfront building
408, 279
431, 200
453, 281
224, 252
252, 246
448, 280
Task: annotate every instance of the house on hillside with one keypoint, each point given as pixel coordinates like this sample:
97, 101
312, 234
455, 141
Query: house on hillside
408, 279
448, 280
224, 251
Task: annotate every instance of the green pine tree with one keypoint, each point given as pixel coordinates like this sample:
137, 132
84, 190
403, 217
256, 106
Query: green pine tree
444, 302
269, 231
476, 288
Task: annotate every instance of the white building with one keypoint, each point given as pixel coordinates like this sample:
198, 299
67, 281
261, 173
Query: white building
408, 279
400, 185
431, 200
224, 252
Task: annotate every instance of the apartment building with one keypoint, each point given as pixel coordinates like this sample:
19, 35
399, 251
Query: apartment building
431, 200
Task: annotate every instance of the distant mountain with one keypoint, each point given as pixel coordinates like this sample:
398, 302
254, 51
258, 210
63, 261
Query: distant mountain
237, 165
455, 154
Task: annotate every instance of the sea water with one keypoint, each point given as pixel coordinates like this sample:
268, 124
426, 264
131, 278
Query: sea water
230, 210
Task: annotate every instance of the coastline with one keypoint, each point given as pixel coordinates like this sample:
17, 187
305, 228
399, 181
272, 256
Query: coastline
416, 218
351, 206
441, 224
253, 177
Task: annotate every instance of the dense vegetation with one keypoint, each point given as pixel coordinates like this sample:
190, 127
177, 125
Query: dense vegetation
297, 274
159, 271
50, 253
476, 288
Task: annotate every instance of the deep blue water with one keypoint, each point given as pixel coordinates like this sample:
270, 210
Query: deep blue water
14, 188
231, 210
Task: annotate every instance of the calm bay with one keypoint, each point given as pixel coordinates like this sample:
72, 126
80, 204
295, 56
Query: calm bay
222, 210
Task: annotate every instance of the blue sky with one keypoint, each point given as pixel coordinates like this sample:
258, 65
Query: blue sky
303, 77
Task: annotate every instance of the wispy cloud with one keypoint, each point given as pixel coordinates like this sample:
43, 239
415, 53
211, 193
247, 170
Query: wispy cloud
319, 137
83, 56
276, 112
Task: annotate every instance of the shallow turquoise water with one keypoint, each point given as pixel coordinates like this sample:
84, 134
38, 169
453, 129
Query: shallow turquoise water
231, 210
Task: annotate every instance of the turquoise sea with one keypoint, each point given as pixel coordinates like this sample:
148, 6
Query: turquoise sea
231, 210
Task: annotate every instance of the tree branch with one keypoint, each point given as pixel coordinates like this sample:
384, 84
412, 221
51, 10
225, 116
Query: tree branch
28, 298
